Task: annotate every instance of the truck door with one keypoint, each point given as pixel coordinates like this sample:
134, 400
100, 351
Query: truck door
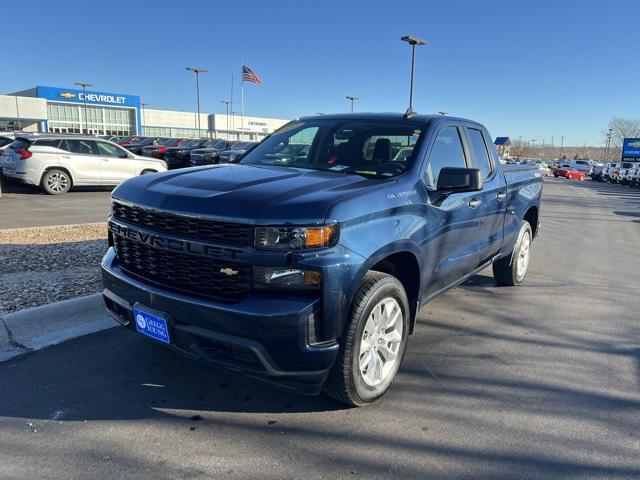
492, 209
450, 250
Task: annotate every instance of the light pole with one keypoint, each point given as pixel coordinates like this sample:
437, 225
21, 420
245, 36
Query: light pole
413, 41
142, 105
226, 104
533, 145
353, 99
606, 155
198, 71
84, 86
561, 145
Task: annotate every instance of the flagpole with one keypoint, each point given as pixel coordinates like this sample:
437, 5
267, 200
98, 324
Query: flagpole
232, 122
242, 97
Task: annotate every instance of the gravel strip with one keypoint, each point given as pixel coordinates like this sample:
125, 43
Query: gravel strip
48, 264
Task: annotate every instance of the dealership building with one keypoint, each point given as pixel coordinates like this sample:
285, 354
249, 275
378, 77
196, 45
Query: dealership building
67, 110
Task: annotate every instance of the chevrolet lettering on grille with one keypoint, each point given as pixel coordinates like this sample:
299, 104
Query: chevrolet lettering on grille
168, 243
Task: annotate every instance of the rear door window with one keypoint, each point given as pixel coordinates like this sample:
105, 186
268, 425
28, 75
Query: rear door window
82, 147
480, 154
447, 152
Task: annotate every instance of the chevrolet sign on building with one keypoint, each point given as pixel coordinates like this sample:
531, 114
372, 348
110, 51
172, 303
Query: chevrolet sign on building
63, 110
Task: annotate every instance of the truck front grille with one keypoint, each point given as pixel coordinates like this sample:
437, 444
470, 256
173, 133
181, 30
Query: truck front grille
185, 226
209, 277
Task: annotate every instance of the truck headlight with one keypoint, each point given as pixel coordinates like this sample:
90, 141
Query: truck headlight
295, 238
286, 278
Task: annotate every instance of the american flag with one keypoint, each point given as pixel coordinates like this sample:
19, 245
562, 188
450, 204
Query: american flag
249, 75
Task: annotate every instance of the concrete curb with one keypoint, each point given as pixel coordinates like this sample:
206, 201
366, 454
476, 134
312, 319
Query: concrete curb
39, 327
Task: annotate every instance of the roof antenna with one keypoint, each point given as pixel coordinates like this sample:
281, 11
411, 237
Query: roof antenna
413, 41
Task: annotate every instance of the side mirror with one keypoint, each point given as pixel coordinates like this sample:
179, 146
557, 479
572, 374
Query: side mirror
456, 180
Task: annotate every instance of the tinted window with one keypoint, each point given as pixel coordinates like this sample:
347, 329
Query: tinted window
47, 143
82, 147
480, 155
447, 152
109, 150
5, 141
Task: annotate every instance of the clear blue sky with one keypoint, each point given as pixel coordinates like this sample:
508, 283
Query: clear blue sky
531, 69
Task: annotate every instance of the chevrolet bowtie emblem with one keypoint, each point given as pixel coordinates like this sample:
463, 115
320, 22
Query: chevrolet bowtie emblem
229, 271
67, 95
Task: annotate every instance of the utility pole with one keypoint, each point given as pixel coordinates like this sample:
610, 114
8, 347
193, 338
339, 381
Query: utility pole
533, 145
606, 155
561, 145
542, 153
84, 86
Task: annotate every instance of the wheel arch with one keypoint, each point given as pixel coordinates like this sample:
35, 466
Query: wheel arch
402, 260
531, 216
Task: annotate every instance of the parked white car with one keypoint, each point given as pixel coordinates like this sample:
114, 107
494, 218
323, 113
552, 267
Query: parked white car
55, 163
628, 171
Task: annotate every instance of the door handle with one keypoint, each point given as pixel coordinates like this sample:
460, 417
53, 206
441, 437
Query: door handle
500, 196
475, 202
105, 159
66, 157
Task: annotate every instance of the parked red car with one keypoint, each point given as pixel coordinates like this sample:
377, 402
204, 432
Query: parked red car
569, 173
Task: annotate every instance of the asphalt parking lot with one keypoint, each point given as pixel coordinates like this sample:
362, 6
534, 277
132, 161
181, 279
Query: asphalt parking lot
24, 206
541, 381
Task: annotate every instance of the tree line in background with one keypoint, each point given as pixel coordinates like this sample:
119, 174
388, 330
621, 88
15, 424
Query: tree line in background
620, 129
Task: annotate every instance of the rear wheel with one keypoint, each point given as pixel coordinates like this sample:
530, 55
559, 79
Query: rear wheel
373, 342
55, 182
512, 269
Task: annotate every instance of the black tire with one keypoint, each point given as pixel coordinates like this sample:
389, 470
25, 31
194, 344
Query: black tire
345, 382
507, 270
56, 181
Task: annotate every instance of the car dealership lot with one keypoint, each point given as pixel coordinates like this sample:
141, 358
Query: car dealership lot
530, 382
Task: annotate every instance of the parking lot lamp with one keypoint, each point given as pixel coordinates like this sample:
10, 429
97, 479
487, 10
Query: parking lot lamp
142, 106
198, 71
226, 104
413, 41
561, 145
443, 113
84, 86
353, 99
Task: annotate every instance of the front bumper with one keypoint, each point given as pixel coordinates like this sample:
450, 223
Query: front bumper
264, 335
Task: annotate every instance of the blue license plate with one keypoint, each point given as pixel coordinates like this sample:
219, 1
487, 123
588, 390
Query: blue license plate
151, 325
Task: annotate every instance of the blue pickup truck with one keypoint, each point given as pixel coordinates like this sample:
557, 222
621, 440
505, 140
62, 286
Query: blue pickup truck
305, 263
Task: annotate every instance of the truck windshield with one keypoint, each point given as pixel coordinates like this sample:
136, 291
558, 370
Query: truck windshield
373, 149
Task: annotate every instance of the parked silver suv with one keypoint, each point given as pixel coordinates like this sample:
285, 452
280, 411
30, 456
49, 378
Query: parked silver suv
55, 163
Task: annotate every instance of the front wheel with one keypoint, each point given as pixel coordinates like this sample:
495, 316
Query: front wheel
373, 343
512, 269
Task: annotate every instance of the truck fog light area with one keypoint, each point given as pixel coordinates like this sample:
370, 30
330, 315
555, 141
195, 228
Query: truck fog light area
286, 278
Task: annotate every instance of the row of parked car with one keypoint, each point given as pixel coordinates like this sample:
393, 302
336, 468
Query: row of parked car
57, 162
626, 173
185, 152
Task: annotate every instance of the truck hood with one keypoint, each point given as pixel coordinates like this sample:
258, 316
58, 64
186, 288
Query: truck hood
246, 193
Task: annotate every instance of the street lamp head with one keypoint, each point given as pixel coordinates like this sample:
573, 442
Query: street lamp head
411, 40
443, 113
197, 69
84, 84
352, 98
